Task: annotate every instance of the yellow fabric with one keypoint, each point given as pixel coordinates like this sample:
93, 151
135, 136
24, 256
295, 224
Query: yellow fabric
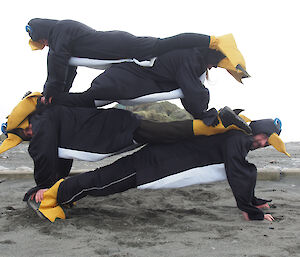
21, 111
238, 75
11, 141
226, 44
35, 45
49, 207
18, 119
245, 118
53, 213
278, 144
199, 128
213, 44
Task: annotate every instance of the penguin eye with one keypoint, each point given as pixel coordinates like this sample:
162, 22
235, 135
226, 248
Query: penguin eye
28, 28
278, 124
4, 128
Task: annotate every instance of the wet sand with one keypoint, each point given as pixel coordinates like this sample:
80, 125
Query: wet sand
192, 221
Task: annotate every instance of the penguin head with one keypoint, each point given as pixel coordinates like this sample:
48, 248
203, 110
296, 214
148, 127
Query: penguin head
272, 129
39, 29
18, 121
234, 61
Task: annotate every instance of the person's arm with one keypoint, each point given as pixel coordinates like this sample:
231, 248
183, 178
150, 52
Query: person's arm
60, 74
71, 74
57, 65
84, 99
63, 169
37, 192
241, 176
43, 149
268, 217
196, 95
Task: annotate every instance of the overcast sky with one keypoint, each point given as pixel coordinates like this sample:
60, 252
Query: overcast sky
266, 32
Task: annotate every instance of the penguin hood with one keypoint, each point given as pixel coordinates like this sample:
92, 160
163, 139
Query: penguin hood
272, 128
18, 120
266, 126
40, 28
212, 56
234, 61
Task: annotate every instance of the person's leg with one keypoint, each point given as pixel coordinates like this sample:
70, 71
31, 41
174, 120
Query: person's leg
167, 132
143, 48
116, 83
114, 178
163, 132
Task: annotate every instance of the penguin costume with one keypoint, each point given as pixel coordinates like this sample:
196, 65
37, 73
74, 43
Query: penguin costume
61, 134
68, 38
198, 160
181, 70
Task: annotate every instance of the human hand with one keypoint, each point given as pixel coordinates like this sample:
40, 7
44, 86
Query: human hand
245, 215
45, 101
265, 205
269, 217
39, 196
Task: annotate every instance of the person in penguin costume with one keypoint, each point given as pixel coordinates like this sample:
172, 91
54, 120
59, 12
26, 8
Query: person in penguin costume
59, 134
181, 72
179, 69
197, 160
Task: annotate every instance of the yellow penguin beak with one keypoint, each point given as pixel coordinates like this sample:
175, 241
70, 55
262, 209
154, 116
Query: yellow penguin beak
234, 61
278, 144
11, 141
35, 45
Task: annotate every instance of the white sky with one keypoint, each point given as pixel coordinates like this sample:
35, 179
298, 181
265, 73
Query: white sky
266, 32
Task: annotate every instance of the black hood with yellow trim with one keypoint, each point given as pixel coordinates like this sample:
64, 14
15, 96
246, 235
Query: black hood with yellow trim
40, 28
265, 126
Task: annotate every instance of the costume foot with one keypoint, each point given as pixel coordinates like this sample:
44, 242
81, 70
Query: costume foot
228, 117
32, 204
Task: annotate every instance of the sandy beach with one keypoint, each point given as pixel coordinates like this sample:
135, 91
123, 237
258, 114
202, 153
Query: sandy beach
193, 221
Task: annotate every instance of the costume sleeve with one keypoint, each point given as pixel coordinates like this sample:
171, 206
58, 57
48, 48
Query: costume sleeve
43, 149
71, 74
241, 176
196, 95
59, 79
64, 168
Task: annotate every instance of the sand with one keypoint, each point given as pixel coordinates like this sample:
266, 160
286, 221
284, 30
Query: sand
192, 221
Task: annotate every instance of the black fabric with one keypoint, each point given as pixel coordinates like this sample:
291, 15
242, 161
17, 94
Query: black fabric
173, 70
154, 162
62, 169
114, 178
264, 126
85, 99
20, 133
157, 161
68, 38
212, 56
87, 130
258, 201
166, 132
40, 28
82, 129
181, 41
30, 192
